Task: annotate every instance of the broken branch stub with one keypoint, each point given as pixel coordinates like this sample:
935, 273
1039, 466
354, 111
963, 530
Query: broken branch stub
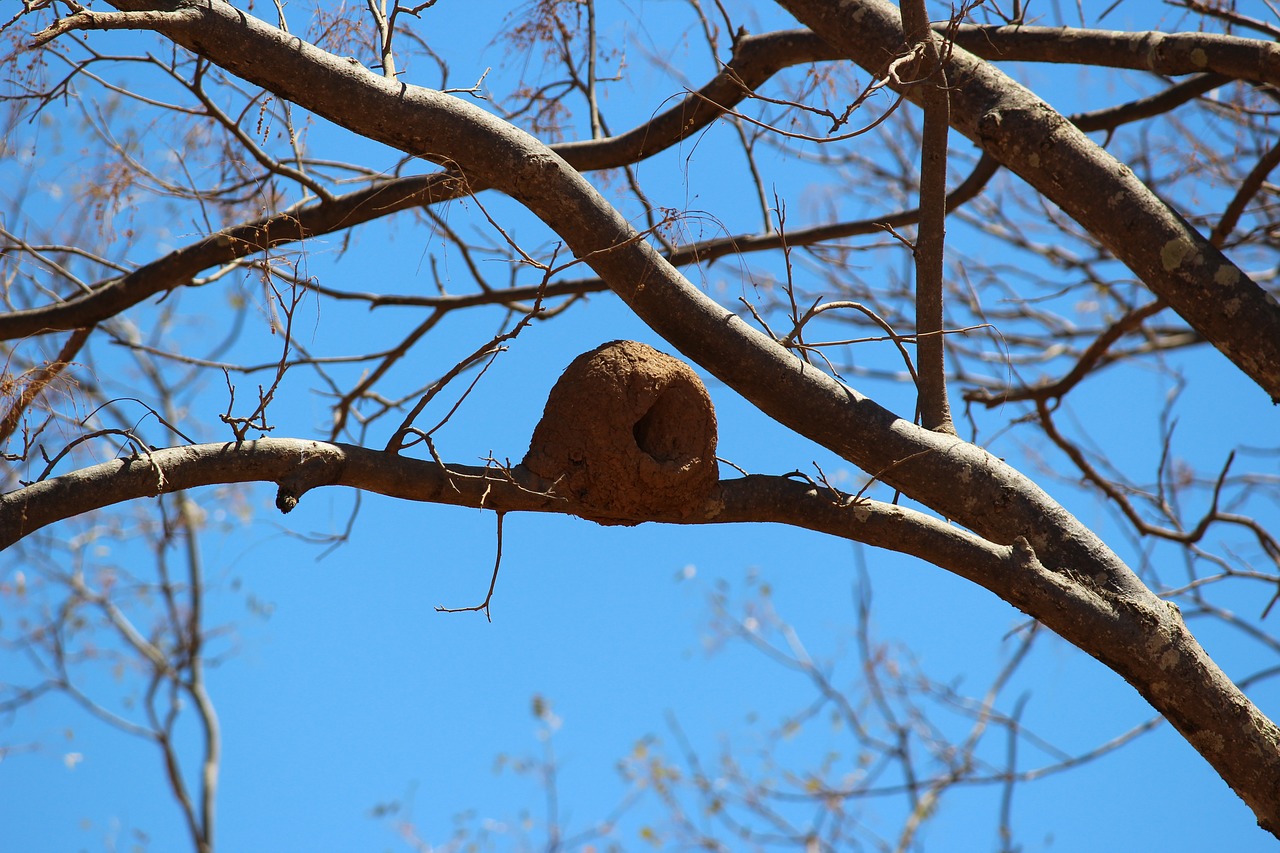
630, 433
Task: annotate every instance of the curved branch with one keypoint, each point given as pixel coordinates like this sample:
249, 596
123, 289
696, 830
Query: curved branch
1043, 148
1056, 568
348, 211
1248, 188
1171, 54
1124, 632
999, 503
755, 59
1161, 102
1085, 364
300, 465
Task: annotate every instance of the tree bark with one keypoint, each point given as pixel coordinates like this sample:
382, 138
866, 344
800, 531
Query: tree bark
1142, 639
755, 59
1038, 556
935, 103
1043, 148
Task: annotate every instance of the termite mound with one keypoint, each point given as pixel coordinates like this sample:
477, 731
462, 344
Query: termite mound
629, 433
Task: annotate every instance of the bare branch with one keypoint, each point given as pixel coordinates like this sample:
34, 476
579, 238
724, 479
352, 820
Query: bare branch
1043, 148
931, 381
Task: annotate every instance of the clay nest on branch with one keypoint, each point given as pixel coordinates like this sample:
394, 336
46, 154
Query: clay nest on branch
630, 433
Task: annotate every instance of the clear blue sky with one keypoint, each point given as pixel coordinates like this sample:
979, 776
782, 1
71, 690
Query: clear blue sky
343, 690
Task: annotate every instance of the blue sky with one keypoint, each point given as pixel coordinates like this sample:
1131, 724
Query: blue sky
344, 692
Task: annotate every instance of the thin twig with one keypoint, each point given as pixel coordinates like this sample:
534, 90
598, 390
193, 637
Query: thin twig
493, 582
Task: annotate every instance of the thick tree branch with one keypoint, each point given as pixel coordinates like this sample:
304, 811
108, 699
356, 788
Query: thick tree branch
1061, 571
755, 60
998, 503
1209, 292
1170, 54
299, 465
1126, 633
1042, 147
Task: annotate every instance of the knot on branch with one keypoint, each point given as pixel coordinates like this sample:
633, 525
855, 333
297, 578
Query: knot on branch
315, 464
630, 433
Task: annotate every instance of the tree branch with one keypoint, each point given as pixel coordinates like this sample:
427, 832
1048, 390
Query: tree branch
1170, 54
300, 465
33, 384
1048, 563
1127, 633
999, 503
755, 60
1042, 147
931, 80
